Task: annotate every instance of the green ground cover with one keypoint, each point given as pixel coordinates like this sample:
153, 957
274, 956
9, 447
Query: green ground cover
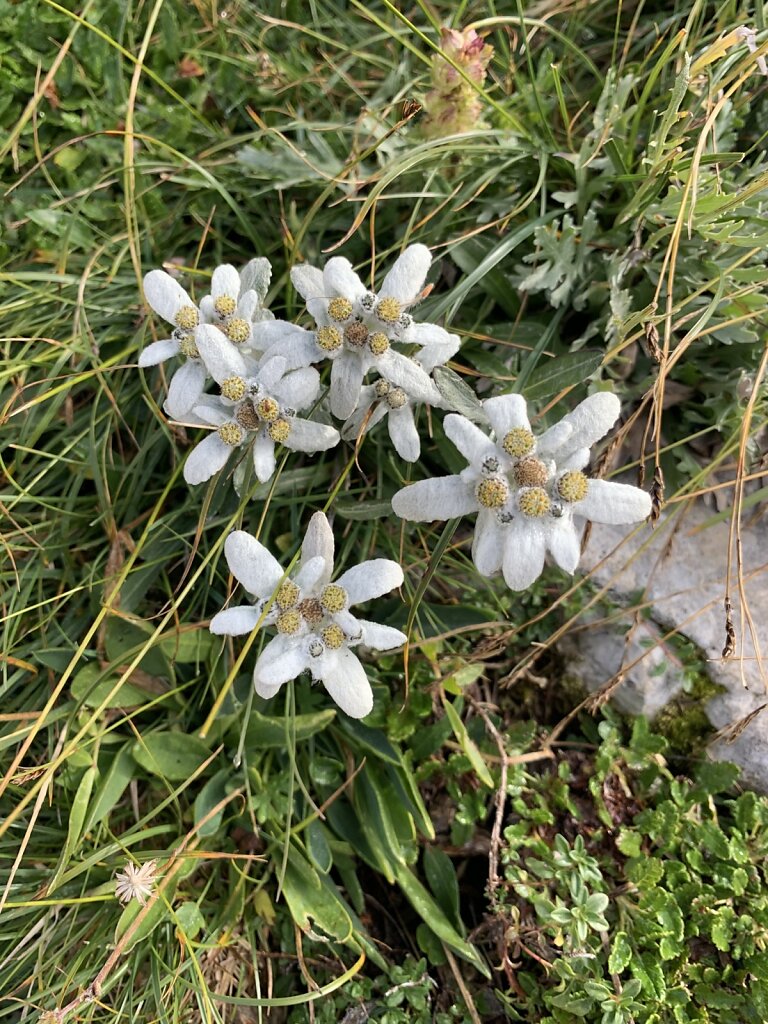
599, 216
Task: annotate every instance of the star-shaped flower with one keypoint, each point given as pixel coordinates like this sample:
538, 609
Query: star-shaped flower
257, 405
385, 399
357, 328
530, 493
315, 629
236, 302
136, 883
167, 298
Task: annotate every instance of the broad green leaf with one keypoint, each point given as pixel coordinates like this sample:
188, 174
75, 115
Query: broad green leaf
441, 877
263, 732
317, 847
467, 744
157, 912
370, 741
621, 953
173, 755
562, 372
123, 640
313, 905
212, 793
91, 686
189, 919
187, 647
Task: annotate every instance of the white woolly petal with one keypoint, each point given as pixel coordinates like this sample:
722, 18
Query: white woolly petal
427, 334
473, 444
351, 625
205, 459
524, 550
308, 436
339, 278
553, 439
271, 370
405, 436
299, 388
282, 659
352, 426
264, 457
408, 375
438, 354
247, 305
318, 540
165, 295
235, 621
308, 281
297, 347
564, 544
219, 354
409, 271
345, 680
311, 574
590, 420
618, 504
381, 638
251, 564
225, 281
577, 459
445, 497
210, 411
185, 389
347, 373
370, 579
264, 689
488, 543
506, 412
158, 352
318, 310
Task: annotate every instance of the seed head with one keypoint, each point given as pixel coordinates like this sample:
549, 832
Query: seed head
237, 330
333, 636
311, 611
287, 595
378, 343
247, 416
339, 309
381, 388
231, 433
388, 310
530, 473
518, 443
233, 388
396, 398
492, 492
279, 430
268, 409
573, 485
188, 347
328, 338
289, 622
188, 318
534, 502
136, 882
225, 306
356, 334
333, 598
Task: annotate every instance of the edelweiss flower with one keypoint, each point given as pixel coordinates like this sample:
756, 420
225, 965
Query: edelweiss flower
384, 399
315, 629
530, 493
257, 404
357, 328
167, 298
235, 304
136, 883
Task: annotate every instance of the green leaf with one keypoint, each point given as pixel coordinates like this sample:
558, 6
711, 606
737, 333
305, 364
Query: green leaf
123, 640
317, 847
91, 685
157, 912
77, 813
458, 394
189, 919
468, 745
431, 913
187, 647
264, 732
621, 953
441, 878
172, 755
313, 904
112, 785
562, 372
212, 793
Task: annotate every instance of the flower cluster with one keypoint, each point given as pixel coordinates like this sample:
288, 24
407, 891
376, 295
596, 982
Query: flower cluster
453, 105
530, 493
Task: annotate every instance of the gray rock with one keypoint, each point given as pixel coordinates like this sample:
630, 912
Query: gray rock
678, 572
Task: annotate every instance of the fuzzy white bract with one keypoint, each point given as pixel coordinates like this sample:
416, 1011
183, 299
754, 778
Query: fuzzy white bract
384, 400
256, 405
530, 493
316, 630
358, 329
